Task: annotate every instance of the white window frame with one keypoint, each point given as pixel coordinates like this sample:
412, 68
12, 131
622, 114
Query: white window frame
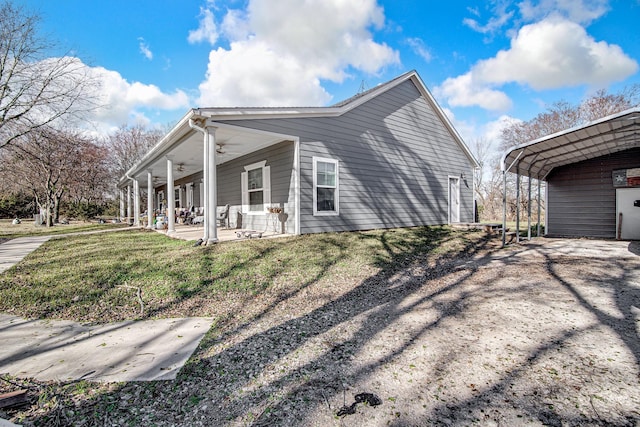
160, 205
189, 195
336, 201
266, 187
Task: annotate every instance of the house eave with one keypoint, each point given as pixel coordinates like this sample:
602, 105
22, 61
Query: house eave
163, 146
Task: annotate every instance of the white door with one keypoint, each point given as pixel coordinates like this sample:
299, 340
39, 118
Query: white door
626, 199
454, 200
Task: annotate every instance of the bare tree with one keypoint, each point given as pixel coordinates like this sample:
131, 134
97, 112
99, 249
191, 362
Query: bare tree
562, 115
603, 104
90, 183
128, 145
36, 90
47, 161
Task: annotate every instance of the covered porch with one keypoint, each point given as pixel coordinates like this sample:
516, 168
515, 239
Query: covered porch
203, 168
191, 233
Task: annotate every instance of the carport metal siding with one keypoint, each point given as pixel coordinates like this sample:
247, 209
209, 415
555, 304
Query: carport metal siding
581, 199
618, 132
613, 137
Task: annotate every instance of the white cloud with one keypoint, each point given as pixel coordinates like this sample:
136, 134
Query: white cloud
123, 102
556, 53
235, 25
501, 18
280, 51
579, 11
207, 29
280, 81
418, 46
466, 91
550, 54
144, 49
503, 13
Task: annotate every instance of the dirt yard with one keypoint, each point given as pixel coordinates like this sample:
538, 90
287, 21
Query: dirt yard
544, 333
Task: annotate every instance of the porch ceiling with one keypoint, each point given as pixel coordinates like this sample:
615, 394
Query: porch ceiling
609, 135
188, 152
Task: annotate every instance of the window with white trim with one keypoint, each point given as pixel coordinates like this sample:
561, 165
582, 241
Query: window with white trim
325, 186
256, 188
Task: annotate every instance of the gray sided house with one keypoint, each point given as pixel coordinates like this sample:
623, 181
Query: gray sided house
388, 157
592, 173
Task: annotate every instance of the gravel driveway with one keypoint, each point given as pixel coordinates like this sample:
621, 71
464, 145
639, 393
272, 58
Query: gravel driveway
543, 333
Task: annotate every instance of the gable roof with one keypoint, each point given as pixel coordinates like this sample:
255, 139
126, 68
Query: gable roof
337, 109
182, 131
611, 134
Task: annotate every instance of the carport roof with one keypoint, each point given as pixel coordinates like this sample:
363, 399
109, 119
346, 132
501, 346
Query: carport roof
536, 159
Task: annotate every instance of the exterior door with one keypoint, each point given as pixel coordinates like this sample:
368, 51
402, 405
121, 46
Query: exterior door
454, 200
626, 199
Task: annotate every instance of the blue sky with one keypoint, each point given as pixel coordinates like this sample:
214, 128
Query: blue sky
484, 61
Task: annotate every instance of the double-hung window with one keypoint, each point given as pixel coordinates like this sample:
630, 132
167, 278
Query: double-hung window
256, 188
325, 186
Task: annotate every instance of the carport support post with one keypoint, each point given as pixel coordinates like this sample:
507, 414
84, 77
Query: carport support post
171, 198
517, 206
211, 186
150, 215
539, 208
529, 210
504, 207
136, 202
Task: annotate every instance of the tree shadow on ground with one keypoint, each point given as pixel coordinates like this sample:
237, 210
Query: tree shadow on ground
278, 370
566, 379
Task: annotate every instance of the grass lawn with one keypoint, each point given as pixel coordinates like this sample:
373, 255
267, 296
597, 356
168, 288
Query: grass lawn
28, 228
95, 277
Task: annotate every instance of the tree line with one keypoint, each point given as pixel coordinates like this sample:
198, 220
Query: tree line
47, 164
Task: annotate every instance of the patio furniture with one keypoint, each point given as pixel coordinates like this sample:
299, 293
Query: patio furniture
223, 216
249, 234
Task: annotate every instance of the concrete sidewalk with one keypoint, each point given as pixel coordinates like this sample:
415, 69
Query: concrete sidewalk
62, 350
14, 251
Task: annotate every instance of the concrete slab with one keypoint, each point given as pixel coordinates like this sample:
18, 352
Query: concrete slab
14, 251
147, 350
591, 248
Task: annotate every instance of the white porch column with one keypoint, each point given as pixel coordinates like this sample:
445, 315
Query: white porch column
150, 196
171, 198
129, 210
204, 188
136, 203
211, 188
121, 205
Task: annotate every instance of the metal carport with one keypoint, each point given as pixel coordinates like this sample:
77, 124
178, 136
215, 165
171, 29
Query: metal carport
536, 159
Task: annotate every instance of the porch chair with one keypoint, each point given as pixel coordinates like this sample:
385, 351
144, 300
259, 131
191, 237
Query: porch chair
222, 218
